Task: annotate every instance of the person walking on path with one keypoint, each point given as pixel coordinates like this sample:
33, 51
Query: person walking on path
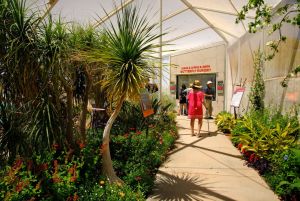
196, 98
187, 97
182, 101
209, 97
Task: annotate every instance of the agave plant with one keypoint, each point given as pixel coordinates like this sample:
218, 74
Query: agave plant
126, 52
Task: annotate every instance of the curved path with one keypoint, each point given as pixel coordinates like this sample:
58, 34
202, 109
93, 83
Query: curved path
207, 168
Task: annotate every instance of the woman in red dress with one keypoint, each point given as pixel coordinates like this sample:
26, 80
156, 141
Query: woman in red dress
196, 98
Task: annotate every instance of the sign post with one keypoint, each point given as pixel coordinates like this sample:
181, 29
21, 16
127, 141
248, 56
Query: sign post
146, 104
237, 98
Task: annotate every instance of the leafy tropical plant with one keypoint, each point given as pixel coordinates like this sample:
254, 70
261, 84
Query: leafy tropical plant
225, 122
265, 135
284, 174
269, 142
62, 174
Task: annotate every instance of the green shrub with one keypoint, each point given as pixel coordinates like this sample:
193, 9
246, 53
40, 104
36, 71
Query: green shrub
137, 155
131, 116
284, 176
266, 133
103, 191
76, 174
269, 141
225, 122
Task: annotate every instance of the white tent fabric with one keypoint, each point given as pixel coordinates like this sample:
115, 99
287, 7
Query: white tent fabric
188, 23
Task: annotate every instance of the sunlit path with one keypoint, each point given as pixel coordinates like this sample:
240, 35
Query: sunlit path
207, 168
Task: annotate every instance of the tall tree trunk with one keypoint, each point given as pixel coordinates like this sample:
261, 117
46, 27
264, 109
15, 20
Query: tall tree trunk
69, 129
107, 167
84, 105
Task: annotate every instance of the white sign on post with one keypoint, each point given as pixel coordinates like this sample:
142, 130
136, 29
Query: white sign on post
237, 97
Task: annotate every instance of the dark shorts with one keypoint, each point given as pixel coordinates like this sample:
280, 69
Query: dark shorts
182, 100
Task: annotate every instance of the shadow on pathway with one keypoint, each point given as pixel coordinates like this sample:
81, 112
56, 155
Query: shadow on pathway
183, 187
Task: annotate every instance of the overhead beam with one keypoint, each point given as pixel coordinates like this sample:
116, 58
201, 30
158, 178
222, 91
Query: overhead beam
221, 11
109, 15
174, 14
230, 34
185, 35
204, 19
237, 13
249, 44
160, 48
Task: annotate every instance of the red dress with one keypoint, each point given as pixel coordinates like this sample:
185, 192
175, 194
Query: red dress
195, 104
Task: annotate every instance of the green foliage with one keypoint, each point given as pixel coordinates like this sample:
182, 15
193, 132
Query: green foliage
127, 48
293, 73
269, 141
287, 14
106, 191
136, 155
76, 174
266, 134
13, 139
225, 122
131, 115
257, 92
44, 129
38, 63
39, 177
284, 177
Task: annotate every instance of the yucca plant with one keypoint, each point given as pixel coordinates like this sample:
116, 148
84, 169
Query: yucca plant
33, 53
87, 75
18, 46
126, 52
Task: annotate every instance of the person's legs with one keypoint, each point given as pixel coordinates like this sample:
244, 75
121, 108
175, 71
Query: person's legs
199, 126
187, 107
206, 108
192, 125
180, 108
210, 108
184, 109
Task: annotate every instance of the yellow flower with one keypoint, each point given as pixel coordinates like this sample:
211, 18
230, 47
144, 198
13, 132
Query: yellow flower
102, 182
122, 194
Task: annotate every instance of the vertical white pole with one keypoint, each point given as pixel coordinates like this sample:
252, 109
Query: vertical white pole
239, 63
225, 85
160, 52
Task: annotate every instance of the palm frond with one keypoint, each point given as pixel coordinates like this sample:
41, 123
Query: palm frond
127, 50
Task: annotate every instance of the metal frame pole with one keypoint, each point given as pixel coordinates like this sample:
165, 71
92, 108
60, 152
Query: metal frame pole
160, 50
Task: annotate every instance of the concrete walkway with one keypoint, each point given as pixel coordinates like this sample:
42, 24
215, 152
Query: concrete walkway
207, 168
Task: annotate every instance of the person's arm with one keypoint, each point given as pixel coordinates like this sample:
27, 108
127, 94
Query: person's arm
208, 95
202, 100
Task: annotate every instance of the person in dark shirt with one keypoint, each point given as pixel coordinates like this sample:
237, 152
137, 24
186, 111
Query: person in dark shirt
209, 94
182, 101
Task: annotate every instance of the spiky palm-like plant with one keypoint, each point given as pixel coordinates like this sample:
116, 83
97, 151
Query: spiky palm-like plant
127, 50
